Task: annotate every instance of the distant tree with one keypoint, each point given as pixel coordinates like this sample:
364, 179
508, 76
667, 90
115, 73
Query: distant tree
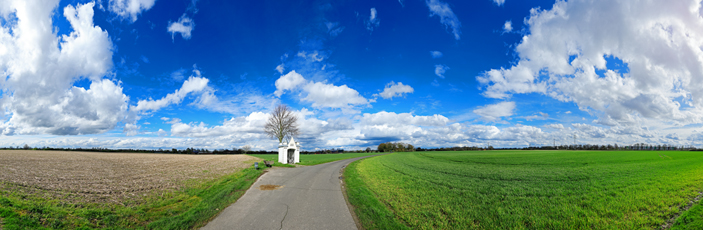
26, 146
382, 147
282, 124
368, 149
246, 149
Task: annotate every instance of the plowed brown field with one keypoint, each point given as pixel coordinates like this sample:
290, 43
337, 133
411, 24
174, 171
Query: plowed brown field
78, 177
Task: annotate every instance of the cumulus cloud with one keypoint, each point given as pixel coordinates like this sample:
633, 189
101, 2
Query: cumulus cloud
321, 95
446, 16
394, 90
436, 54
41, 68
568, 56
499, 2
508, 26
373, 21
249, 128
439, 70
129, 9
331, 96
496, 111
288, 82
389, 126
184, 26
253, 124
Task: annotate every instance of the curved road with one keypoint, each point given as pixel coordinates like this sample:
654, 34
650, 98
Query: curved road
309, 198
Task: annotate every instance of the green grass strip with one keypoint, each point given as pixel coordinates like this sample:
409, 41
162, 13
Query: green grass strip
371, 212
313, 159
211, 198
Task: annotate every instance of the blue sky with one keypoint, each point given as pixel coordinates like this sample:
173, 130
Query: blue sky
433, 73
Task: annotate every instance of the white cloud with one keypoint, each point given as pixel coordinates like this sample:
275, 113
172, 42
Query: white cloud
161, 133
184, 26
330, 96
436, 54
194, 84
554, 126
251, 125
590, 131
333, 28
496, 111
179, 74
41, 68
499, 2
508, 26
322, 95
280, 68
373, 21
391, 118
129, 9
130, 129
394, 90
288, 82
446, 16
538, 116
315, 56
250, 128
566, 48
439, 70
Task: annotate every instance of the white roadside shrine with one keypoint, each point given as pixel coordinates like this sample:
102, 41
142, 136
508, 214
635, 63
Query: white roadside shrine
289, 153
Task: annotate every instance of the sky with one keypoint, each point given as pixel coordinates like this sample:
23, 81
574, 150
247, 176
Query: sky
152, 74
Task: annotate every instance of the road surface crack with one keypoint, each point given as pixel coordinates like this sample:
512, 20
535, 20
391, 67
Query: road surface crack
284, 216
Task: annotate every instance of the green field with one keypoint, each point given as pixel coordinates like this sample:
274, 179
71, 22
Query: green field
314, 159
527, 189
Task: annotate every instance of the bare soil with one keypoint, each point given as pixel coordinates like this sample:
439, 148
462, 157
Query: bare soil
78, 177
270, 187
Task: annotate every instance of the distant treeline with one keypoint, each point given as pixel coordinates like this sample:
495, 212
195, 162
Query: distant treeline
172, 151
638, 146
383, 147
176, 151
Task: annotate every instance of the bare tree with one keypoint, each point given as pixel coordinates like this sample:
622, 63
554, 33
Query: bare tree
246, 149
282, 124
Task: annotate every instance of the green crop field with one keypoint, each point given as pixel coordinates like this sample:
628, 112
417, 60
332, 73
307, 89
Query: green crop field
314, 159
527, 189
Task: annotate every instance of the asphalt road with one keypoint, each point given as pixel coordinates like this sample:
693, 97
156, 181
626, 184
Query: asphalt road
309, 198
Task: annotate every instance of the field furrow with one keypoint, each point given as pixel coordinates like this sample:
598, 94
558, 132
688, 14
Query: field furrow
534, 189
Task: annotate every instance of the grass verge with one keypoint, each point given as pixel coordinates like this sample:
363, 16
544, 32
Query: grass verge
313, 159
371, 212
187, 208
